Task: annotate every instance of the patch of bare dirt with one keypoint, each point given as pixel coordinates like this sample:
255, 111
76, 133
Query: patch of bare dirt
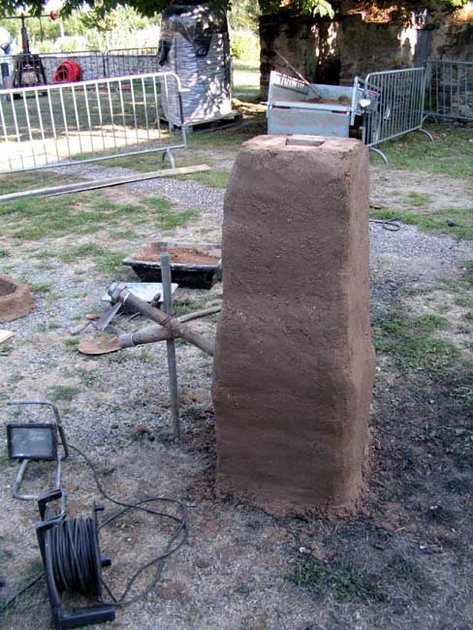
391, 188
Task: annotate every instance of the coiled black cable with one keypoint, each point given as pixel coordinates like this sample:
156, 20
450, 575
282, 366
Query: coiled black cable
74, 556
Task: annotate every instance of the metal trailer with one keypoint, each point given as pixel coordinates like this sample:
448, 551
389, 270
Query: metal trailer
390, 104
56, 125
449, 91
299, 108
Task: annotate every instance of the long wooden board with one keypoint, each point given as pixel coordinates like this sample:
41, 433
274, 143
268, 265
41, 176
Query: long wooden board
66, 189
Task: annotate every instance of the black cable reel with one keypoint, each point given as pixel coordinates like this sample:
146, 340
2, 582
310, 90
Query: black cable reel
73, 563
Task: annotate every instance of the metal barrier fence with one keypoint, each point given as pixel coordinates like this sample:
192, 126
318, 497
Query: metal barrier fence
91, 62
121, 62
397, 105
50, 125
450, 89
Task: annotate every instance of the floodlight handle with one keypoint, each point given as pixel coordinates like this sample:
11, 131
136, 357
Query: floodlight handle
37, 497
57, 417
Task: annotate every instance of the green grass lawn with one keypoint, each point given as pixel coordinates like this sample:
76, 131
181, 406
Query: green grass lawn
451, 152
246, 81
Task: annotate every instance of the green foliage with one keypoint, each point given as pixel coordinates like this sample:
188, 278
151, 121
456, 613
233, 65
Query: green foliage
102, 21
166, 218
102, 7
28, 180
62, 392
452, 221
215, 178
71, 344
314, 7
36, 218
106, 261
410, 341
243, 15
450, 154
324, 8
244, 45
38, 30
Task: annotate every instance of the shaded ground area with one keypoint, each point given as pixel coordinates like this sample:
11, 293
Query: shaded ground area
404, 562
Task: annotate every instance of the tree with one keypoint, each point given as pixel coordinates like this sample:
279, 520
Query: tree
314, 7
328, 8
151, 7
244, 15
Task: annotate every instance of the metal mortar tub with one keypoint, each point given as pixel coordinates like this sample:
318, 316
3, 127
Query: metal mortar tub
196, 266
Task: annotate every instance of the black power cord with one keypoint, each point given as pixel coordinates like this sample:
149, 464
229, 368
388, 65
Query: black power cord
391, 225
177, 538
73, 544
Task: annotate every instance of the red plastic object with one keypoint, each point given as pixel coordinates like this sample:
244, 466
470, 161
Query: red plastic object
67, 72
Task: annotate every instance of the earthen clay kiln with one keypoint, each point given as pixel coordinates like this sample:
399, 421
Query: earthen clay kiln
294, 362
15, 299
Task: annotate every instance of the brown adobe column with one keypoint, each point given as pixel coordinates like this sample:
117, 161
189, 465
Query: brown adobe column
294, 363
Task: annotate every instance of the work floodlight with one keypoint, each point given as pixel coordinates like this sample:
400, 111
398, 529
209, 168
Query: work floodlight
36, 441
32, 441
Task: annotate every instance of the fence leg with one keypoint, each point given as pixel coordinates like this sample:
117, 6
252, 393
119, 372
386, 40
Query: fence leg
427, 133
380, 153
168, 154
171, 350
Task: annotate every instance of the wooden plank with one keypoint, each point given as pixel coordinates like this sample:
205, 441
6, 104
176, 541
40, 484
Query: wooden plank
67, 189
5, 334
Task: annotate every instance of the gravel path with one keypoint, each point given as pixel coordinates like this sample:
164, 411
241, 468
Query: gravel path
409, 257
397, 258
184, 192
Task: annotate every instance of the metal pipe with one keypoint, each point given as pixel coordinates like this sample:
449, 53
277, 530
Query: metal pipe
170, 346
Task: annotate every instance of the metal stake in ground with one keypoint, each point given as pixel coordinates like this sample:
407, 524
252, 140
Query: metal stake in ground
171, 350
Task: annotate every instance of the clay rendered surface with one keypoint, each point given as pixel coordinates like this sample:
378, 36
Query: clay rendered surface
294, 363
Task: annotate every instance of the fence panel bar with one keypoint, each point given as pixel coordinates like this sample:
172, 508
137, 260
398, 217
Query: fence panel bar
450, 89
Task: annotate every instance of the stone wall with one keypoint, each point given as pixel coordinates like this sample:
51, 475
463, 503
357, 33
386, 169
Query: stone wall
336, 52
368, 46
294, 38
452, 42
